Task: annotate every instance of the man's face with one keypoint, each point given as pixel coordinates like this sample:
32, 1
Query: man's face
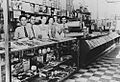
44, 20
32, 20
23, 21
37, 19
55, 17
50, 20
63, 20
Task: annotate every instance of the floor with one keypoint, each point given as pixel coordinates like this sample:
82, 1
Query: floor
104, 69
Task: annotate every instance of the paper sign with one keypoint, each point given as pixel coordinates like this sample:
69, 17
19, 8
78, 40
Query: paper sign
17, 14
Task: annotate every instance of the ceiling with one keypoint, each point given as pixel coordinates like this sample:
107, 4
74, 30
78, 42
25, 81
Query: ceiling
113, 1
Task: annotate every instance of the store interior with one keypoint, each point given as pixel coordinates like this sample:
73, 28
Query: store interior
59, 41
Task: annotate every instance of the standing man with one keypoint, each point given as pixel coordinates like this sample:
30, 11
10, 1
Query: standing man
62, 29
88, 23
64, 25
23, 31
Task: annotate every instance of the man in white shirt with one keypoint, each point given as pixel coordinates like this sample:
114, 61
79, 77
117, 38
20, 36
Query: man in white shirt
35, 28
24, 31
62, 29
64, 24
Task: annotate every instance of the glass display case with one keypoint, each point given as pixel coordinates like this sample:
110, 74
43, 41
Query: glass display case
93, 47
51, 61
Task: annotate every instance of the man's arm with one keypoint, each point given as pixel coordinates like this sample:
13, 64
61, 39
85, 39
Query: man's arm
16, 33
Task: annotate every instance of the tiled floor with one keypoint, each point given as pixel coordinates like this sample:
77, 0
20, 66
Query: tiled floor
105, 69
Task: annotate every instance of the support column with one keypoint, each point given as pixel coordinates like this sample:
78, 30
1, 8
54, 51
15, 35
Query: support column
6, 30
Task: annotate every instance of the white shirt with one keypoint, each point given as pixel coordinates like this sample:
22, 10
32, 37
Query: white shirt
20, 33
36, 30
44, 31
64, 26
59, 31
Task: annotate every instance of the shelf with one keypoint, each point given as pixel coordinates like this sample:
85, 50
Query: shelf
34, 13
53, 79
59, 74
39, 4
53, 67
30, 78
25, 77
66, 77
31, 3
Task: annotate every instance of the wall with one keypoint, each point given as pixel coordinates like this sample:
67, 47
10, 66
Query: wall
104, 9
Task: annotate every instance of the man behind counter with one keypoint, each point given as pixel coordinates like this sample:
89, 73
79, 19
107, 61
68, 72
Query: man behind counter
24, 31
35, 28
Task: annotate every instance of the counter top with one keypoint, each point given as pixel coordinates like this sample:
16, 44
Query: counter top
29, 44
74, 34
80, 34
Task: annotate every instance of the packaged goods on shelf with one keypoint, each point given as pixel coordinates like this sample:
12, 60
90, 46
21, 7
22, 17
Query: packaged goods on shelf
27, 7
